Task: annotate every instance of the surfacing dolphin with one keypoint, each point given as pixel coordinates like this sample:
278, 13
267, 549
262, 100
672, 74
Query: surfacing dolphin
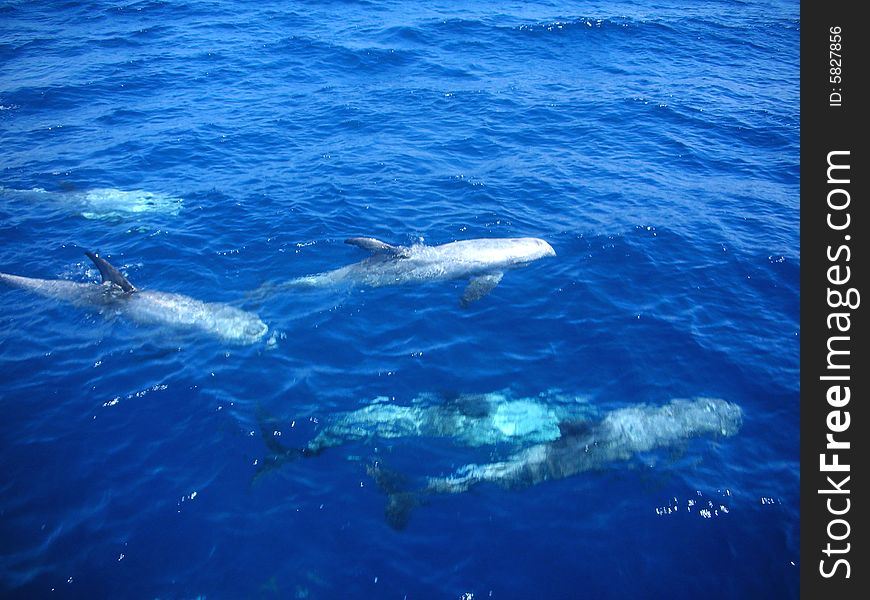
481, 261
116, 295
618, 437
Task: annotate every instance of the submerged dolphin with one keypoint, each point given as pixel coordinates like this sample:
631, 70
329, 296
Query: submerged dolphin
117, 295
481, 261
468, 419
618, 437
103, 203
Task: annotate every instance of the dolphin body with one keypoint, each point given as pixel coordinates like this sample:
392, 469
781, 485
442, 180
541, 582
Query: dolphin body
103, 203
583, 446
619, 436
116, 295
468, 419
481, 261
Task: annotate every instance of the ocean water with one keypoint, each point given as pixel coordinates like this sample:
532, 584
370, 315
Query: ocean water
209, 147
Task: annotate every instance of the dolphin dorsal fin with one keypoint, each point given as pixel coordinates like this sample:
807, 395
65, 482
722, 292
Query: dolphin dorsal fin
377, 246
110, 273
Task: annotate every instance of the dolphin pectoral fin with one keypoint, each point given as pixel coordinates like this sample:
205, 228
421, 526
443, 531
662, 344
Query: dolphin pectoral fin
480, 286
278, 454
377, 246
109, 273
398, 509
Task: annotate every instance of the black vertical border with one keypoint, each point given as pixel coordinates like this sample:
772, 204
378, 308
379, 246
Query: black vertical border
826, 128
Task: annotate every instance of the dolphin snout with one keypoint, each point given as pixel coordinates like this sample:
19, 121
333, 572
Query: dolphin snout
254, 331
542, 248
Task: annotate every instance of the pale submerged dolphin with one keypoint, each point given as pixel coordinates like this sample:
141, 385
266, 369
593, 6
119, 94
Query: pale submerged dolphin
492, 418
103, 203
584, 445
116, 295
467, 419
481, 261
618, 437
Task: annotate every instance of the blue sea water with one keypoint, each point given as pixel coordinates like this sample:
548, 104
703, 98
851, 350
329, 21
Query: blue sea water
653, 144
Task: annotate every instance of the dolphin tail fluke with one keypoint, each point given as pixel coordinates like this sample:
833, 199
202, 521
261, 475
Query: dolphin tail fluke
278, 454
480, 286
266, 465
278, 457
399, 507
109, 273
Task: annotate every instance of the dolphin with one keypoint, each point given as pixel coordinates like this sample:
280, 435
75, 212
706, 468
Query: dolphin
103, 203
468, 419
480, 261
619, 436
116, 295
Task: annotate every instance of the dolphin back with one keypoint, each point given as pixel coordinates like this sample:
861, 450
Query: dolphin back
376, 246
